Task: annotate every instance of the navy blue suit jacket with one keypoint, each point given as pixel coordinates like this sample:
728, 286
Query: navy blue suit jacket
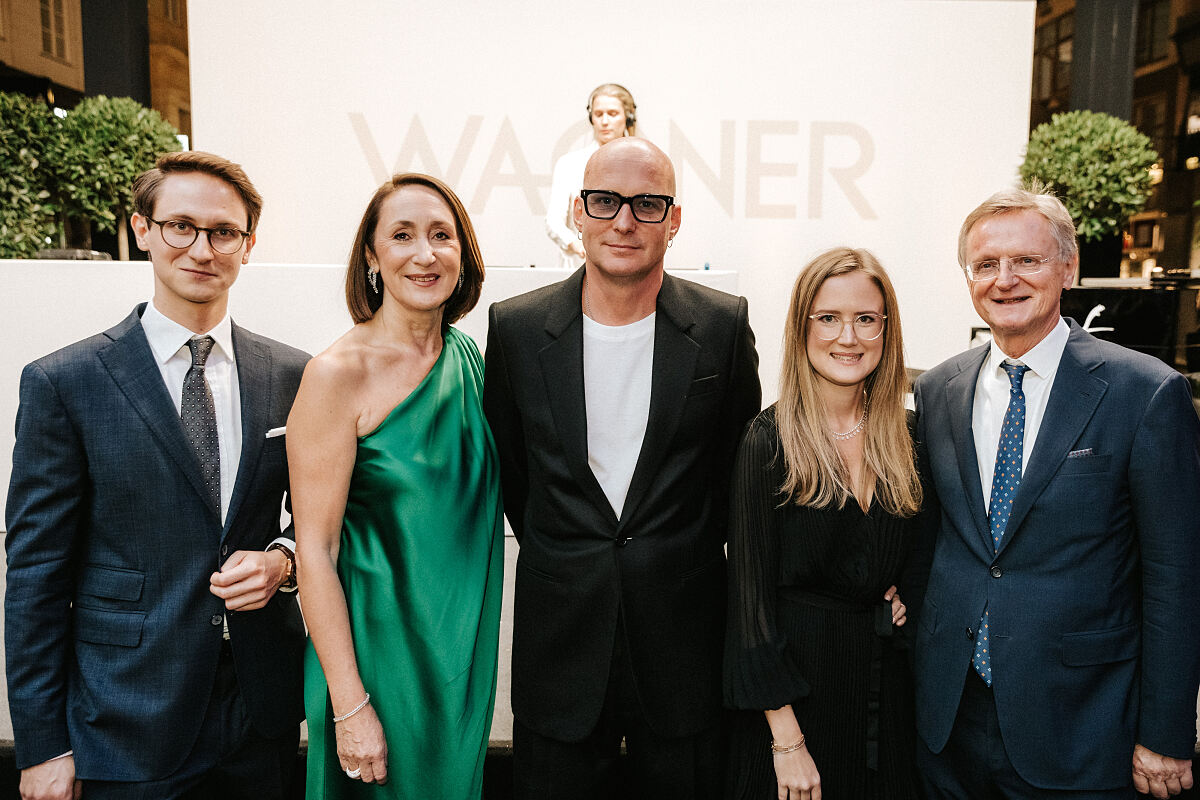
111, 634
1094, 634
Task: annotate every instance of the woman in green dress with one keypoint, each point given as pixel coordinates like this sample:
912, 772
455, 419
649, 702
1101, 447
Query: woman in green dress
399, 533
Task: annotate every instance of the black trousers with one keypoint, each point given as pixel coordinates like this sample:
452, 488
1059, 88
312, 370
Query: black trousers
687, 768
229, 761
974, 763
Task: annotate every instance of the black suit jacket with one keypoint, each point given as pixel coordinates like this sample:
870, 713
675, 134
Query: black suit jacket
111, 634
662, 566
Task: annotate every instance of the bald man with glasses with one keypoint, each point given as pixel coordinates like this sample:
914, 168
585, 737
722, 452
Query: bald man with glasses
617, 399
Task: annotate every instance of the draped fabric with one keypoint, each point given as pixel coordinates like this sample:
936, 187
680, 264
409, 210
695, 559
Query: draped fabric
808, 626
421, 563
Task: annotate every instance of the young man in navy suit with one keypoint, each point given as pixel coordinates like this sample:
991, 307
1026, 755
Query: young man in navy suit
1058, 644
150, 650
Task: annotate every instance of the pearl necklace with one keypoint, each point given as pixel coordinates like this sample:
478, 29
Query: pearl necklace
857, 429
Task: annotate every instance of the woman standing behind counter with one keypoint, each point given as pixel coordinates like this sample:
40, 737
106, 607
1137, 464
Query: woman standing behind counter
824, 491
399, 531
613, 114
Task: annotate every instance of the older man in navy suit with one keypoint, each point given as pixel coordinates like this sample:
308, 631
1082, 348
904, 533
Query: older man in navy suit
150, 652
1058, 642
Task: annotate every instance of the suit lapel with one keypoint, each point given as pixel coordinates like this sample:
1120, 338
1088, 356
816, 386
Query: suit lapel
254, 389
562, 371
675, 355
131, 364
1073, 400
960, 399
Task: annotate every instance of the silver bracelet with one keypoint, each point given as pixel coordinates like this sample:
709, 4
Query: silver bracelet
354, 710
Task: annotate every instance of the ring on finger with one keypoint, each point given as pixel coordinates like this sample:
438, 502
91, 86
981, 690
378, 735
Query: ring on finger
353, 773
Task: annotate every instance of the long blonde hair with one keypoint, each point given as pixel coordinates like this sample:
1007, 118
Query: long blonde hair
816, 475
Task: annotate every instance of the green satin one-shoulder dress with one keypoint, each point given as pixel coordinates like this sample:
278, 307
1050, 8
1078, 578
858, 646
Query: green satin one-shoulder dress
421, 563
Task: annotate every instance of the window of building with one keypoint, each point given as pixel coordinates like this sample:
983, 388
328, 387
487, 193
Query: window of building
1052, 49
54, 34
1150, 117
173, 10
1153, 27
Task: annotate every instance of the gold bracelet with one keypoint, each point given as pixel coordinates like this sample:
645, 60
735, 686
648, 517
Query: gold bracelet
778, 749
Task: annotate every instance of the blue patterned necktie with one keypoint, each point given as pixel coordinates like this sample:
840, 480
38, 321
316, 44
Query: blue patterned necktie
1005, 481
199, 416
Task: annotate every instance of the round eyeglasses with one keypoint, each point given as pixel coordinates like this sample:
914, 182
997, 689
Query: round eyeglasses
181, 235
828, 327
988, 268
651, 208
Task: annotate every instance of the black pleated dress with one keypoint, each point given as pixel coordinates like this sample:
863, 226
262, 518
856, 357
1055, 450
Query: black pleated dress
808, 626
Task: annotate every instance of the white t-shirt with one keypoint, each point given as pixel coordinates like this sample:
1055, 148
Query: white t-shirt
617, 366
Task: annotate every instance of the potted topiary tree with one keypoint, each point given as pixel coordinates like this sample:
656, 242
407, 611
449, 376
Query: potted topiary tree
27, 222
105, 144
1100, 167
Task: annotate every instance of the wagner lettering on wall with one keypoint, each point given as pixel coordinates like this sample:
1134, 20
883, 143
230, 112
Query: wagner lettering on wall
508, 165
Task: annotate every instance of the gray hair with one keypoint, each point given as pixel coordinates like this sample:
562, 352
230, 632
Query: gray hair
1034, 196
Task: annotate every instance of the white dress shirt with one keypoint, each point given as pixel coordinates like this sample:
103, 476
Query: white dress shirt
564, 188
991, 400
169, 344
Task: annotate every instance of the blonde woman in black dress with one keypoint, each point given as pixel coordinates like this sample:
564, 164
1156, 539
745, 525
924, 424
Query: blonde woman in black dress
825, 491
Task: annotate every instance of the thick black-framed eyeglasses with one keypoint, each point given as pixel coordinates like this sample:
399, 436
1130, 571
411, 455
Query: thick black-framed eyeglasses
652, 208
181, 234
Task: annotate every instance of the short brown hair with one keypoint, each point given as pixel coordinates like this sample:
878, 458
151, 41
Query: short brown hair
146, 186
363, 302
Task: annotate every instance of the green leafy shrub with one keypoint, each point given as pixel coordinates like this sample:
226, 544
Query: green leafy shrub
26, 210
106, 143
1098, 165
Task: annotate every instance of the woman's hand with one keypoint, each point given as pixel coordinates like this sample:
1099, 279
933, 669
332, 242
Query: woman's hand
361, 746
899, 612
796, 775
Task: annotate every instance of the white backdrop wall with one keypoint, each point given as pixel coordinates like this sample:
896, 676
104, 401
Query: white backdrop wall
795, 125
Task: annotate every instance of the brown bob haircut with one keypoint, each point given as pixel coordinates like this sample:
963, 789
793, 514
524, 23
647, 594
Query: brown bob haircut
363, 302
147, 185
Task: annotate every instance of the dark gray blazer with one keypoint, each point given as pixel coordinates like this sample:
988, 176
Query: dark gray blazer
662, 566
111, 634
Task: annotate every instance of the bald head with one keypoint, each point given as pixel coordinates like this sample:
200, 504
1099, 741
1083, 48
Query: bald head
626, 154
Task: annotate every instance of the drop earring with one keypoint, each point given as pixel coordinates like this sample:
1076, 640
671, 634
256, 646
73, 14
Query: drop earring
373, 279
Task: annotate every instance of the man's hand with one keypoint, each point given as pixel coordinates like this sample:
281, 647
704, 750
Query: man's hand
1158, 775
249, 578
51, 780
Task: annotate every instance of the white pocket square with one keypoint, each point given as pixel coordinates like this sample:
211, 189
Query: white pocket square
271, 434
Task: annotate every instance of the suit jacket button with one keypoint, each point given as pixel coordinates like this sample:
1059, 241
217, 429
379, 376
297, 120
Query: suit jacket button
997, 572
622, 541
217, 619
970, 634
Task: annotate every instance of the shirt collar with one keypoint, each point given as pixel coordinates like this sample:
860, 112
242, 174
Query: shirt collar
167, 337
1043, 358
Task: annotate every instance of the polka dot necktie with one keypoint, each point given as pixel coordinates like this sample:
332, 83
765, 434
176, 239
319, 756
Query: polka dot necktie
199, 415
1005, 481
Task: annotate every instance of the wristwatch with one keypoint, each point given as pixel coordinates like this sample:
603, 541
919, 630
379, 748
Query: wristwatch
289, 581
